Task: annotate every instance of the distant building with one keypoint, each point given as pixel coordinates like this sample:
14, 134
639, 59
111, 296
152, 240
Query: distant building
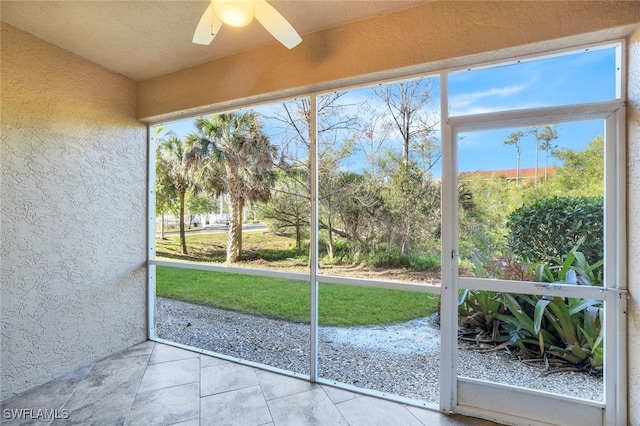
526, 174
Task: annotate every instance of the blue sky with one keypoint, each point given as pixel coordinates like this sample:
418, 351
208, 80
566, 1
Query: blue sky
570, 79
577, 78
587, 76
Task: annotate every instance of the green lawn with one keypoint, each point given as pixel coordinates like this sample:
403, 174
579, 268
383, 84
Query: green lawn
263, 246
339, 305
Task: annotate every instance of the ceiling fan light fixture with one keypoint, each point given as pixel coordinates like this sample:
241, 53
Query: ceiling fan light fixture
236, 13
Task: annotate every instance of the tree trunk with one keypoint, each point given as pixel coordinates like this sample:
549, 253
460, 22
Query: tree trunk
183, 239
405, 247
162, 226
518, 168
330, 242
406, 132
535, 179
240, 222
298, 238
236, 204
234, 240
546, 163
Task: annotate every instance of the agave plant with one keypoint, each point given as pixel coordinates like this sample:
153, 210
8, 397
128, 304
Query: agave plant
575, 261
570, 329
522, 328
567, 328
481, 308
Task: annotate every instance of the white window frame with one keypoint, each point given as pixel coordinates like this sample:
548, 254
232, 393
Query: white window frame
613, 112
478, 398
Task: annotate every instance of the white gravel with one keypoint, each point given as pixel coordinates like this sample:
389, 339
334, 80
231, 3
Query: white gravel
401, 359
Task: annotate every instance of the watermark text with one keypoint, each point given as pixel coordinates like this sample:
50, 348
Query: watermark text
34, 414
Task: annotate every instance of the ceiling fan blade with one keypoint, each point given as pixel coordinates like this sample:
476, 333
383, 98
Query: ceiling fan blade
276, 24
207, 28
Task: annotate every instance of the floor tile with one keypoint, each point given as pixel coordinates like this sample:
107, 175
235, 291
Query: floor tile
164, 353
307, 408
434, 418
245, 406
226, 377
192, 422
278, 385
144, 348
105, 396
49, 396
166, 406
208, 361
339, 395
184, 388
111, 373
369, 411
172, 373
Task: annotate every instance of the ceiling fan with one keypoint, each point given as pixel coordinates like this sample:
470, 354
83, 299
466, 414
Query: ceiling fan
239, 13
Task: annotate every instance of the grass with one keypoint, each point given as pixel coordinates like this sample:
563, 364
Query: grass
339, 305
273, 251
212, 247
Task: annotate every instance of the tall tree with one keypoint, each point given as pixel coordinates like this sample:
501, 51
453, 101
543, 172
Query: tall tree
288, 208
547, 134
336, 123
543, 137
234, 157
373, 134
412, 201
174, 168
165, 191
199, 203
407, 103
514, 139
581, 173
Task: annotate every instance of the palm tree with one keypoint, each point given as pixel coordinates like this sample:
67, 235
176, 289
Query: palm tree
547, 134
173, 170
543, 135
514, 139
236, 158
165, 191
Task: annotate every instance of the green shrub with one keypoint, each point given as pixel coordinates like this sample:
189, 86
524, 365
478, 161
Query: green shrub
415, 261
565, 328
480, 308
547, 230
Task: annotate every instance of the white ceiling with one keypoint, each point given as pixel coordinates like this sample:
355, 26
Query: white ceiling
146, 38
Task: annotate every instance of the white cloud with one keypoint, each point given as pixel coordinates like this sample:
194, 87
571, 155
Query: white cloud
472, 110
466, 99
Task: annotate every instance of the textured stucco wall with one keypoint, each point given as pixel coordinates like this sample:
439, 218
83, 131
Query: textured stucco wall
73, 209
633, 208
432, 33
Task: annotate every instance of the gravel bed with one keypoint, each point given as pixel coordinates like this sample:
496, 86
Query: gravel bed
401, 359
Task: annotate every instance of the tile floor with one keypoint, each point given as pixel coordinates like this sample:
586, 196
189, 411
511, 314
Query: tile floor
157, 384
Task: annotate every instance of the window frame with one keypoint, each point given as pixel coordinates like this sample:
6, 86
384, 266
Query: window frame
613, 112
